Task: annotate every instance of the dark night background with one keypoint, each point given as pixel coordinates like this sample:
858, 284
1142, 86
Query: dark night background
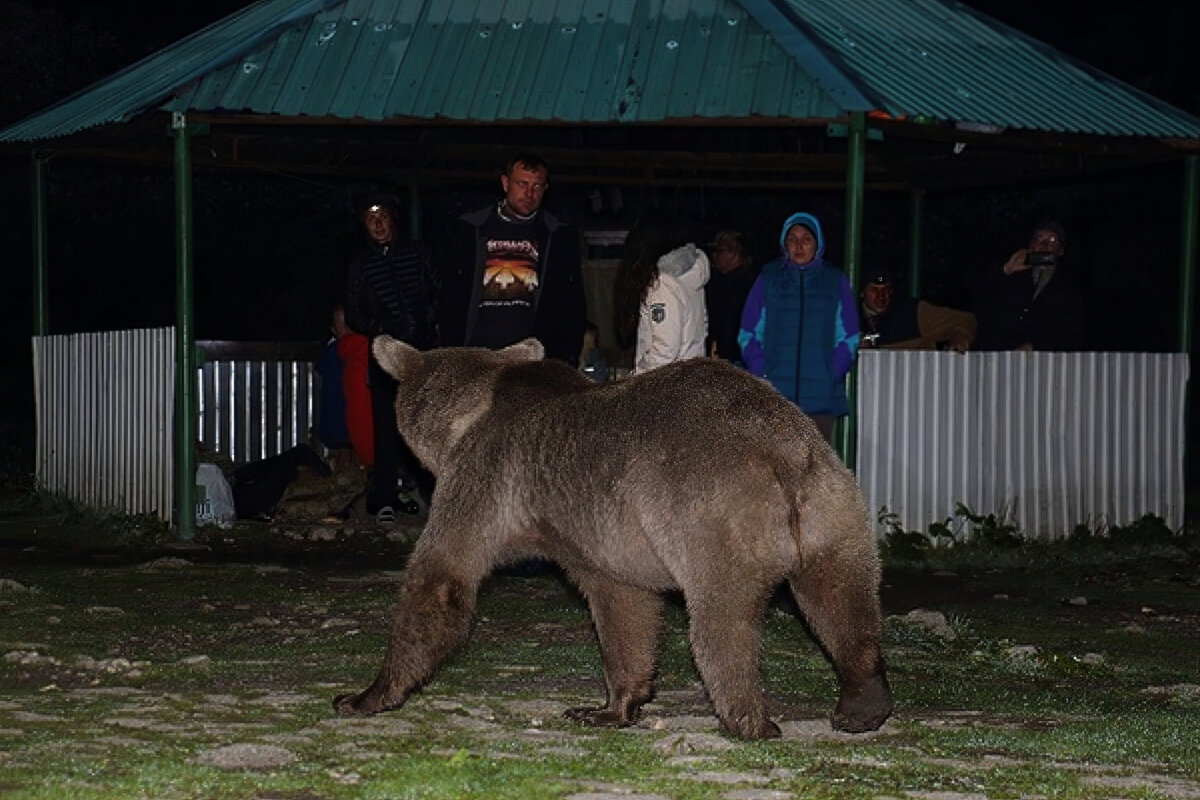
270, 250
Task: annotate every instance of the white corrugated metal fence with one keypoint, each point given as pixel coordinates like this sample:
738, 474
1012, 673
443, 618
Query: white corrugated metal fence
251, 409
104, 418
1045, 440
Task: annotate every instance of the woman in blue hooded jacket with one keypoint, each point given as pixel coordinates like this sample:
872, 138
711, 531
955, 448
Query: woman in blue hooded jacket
800, 327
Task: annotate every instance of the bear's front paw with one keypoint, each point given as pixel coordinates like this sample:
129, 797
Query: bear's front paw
361, 704
349, 705
598, 717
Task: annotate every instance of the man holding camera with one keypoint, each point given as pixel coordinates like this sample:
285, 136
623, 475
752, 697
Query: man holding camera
1030, 304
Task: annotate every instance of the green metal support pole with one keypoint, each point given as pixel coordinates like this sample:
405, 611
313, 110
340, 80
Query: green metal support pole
856, 158
41, 282
414, 212
1187, 276
185, 336
917, 224
1187, 251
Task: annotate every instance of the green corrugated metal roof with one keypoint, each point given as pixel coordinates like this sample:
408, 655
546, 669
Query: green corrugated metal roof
617, 61
942, 61
599, 61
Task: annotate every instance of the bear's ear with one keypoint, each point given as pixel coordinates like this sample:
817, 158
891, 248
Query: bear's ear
525, 350
394, 355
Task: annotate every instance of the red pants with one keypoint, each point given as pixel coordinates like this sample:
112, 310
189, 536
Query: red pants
354, 351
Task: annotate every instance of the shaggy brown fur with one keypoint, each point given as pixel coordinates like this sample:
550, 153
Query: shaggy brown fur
693, 477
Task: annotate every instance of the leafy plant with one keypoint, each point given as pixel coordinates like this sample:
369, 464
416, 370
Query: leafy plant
989, 529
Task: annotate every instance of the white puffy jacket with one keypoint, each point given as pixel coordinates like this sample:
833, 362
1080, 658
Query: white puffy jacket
673, 321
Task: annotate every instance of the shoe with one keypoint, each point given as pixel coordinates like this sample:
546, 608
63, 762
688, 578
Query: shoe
385, 515
407, 505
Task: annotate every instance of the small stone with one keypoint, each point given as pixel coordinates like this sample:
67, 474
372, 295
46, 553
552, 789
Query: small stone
248, 756
338, 622
932, 621
166, 563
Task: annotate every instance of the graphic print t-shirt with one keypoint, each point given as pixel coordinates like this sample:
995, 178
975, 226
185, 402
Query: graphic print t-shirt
511, 281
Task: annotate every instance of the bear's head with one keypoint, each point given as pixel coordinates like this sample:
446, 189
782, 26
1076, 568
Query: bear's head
442, 393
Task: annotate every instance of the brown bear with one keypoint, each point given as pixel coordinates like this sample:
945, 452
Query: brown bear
694, 476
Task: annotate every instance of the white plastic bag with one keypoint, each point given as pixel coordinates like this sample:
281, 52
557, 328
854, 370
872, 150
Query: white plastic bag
214, 497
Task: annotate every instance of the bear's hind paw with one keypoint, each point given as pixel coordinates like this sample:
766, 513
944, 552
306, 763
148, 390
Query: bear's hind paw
598, 717
745, 728
865, 709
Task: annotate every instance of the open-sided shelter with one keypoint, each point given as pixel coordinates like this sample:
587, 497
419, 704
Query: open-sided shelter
911, 95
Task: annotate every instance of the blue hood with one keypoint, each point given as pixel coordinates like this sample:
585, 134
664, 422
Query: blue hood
810, 222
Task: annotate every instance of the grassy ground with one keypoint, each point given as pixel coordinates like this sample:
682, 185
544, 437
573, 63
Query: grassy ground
133, 670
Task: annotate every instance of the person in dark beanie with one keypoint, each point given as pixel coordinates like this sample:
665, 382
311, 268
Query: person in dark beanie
894, 322
392, 288
725, 294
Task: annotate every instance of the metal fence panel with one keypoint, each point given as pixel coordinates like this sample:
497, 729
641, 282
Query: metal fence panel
104, 418
1045, 440
254, 408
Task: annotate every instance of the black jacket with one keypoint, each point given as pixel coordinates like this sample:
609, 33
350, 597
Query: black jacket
561, 310
725, 297
1009, 315
393, 290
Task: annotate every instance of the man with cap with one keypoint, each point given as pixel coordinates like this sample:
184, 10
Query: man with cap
1028, 304
799, 327
904, 323
725, 293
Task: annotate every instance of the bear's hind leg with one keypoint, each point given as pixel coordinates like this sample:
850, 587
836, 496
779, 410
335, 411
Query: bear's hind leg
725, 634
628, 624
841, 606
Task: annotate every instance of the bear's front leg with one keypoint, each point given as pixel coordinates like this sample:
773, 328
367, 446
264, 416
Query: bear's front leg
431, 620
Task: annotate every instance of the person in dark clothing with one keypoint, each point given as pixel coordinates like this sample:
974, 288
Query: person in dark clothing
905, 323
514, 272
725, 294
332, 430
1028, 304
259, 486
392, 288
